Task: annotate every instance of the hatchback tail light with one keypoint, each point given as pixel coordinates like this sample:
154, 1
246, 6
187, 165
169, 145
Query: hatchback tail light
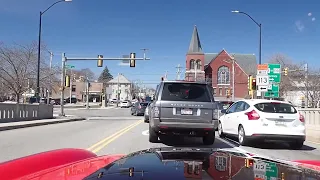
252, 115
301, 118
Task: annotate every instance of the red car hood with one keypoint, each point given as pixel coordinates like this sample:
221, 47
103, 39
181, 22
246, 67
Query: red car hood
72, 164
57, 164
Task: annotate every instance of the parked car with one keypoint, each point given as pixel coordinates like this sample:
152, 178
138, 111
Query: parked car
138, 108
261, 119
183, 108
146, 113
125, 104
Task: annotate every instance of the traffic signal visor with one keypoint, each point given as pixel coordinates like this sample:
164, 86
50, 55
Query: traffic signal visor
286, 71
132, 60
254, 84
100, 61
250, 83
67, 81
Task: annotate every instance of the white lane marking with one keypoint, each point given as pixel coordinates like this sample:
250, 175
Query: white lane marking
145, 133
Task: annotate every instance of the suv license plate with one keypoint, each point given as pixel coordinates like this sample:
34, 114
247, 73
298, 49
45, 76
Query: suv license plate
186, 111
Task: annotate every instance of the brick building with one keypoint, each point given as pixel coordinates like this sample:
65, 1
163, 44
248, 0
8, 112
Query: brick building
79, 91
216, 68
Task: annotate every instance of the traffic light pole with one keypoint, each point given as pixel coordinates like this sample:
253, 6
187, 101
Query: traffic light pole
63, 74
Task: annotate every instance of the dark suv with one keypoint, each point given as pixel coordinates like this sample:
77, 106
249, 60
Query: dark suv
183, 108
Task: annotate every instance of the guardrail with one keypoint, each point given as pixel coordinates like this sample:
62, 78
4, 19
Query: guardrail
312, 120
24, 112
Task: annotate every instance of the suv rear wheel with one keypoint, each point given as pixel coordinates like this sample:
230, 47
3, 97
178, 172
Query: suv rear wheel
209, 139
153, 136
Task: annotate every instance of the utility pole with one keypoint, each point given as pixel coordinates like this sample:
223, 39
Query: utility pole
144, 52
178, 71
233, 76
71, 77
166, 75
118, 93
307, 85
88, 91
50, 86
62, 84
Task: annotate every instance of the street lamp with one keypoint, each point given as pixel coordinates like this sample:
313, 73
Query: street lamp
39, 46
258, 24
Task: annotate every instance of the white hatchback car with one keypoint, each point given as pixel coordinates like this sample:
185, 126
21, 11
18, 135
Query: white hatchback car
260, 119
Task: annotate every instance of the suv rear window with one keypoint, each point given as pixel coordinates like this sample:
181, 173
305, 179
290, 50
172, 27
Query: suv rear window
185, 92
276, 108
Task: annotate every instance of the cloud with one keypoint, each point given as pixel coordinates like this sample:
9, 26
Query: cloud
313, 19
299, 25
309, 14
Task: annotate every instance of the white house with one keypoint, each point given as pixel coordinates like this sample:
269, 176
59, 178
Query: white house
121, 86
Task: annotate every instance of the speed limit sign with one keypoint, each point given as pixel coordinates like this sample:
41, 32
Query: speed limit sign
262, 80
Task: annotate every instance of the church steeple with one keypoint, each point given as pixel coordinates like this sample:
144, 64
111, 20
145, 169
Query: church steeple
195, 45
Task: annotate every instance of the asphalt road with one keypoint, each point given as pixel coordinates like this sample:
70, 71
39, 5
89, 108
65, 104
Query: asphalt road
114, 130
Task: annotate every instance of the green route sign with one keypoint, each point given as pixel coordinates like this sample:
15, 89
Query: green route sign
271, 171
273, 92
274, 73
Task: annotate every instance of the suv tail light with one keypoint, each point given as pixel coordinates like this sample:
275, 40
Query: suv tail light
252, 115
301, 118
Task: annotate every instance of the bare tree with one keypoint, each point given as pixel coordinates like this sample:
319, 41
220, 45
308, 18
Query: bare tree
84, 74
285, 62
18, 68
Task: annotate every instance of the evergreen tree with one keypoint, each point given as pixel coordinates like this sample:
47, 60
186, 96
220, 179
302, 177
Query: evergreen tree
105, 76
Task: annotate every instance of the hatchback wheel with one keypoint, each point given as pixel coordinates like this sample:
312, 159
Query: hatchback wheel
242, 136
220, 130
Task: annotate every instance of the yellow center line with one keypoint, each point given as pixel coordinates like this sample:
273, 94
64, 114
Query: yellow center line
94, 148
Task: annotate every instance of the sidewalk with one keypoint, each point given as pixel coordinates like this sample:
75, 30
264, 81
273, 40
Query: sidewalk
25, 124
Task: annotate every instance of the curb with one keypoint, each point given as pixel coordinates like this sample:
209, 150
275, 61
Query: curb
40, 124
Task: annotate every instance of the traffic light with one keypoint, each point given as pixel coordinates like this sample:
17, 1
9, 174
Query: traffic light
67, 81
249, 83
100, 61
286, 71
253, 84
133, 60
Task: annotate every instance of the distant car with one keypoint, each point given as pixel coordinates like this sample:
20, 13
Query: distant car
138, 108
261, 119
146, 114
183, 108
125, 104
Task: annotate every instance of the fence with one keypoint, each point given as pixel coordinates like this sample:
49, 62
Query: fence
24, 112
312, 120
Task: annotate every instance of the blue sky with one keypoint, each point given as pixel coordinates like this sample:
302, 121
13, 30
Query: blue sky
86, 28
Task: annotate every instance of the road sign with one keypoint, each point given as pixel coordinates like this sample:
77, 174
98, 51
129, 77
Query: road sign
262, 72
274, 92
70, 66
262, 69
262, 80
263, 88
274, 72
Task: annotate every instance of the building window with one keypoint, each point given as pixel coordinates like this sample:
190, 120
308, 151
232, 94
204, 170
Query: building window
223, 75
220, 91
214, 91
73, 88
198, 64
192, 63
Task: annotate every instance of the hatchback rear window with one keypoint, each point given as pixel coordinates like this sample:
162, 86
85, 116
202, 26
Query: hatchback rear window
185, 92
276, 108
